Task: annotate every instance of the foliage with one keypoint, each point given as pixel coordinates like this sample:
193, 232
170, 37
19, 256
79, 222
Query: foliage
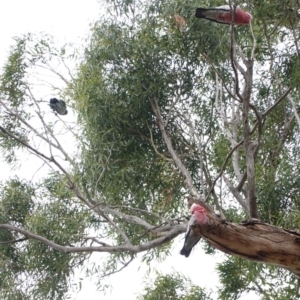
173, 286
46, 270
239, 276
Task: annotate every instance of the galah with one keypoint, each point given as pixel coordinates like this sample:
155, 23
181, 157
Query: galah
192, 237
59, 106
223, 14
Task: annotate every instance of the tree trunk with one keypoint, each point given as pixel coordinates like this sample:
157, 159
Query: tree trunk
254, 240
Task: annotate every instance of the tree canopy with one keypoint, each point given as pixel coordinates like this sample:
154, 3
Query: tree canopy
165, 105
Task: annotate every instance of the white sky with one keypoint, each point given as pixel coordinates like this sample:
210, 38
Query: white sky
68, 21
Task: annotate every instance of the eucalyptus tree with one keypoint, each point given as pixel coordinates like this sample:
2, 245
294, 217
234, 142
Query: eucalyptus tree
167, 105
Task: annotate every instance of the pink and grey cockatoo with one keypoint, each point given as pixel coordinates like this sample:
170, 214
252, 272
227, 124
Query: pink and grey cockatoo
222, 14
192, 237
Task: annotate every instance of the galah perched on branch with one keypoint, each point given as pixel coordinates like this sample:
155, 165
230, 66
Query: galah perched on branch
223, 14
59, 106
192, 237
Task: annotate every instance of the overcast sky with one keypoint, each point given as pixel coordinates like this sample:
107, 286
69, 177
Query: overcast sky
68, 21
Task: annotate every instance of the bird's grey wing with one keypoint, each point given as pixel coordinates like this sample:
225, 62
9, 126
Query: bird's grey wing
191, 239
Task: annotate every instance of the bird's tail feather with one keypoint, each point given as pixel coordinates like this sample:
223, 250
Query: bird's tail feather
200, 12
185, 252
53, 100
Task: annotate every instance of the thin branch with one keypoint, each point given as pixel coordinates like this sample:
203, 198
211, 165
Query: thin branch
234, 124
234, 63
69, 71
140, 210
294, 109
197, 141
119, 230
178, 162
129, 218
212, 191
242, 181
14, 241
39, 154
221, 77
119, 270
60, 148
223, 168
97, 241
102, 172
49, 68
254, 41
282, 97
175, 231
220, 108
171, 108
242, 55
12, 113
237, 195
154, 147
100, 211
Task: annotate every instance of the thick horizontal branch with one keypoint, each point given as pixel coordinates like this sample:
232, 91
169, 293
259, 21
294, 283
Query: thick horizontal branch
254, 240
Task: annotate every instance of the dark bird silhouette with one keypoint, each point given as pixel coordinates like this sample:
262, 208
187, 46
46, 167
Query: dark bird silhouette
58, 106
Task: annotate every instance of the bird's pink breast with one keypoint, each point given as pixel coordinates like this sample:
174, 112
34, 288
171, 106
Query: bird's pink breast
240, 18
200, 218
